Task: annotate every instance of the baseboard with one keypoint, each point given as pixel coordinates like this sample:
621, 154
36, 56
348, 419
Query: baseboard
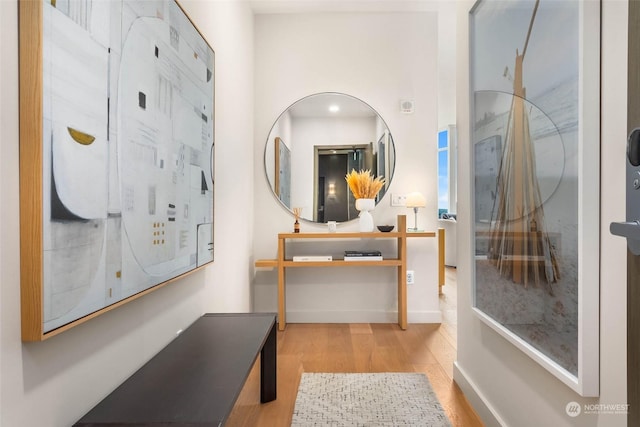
362, 316
424, 316
474, 395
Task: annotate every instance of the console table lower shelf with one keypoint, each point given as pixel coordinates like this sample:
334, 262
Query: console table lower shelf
196, 379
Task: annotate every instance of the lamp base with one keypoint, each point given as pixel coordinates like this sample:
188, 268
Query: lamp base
415, 222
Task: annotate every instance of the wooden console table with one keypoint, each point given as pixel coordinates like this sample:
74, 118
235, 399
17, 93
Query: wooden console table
282, 262
196, 379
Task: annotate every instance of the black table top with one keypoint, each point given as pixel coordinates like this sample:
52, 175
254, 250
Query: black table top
194, 381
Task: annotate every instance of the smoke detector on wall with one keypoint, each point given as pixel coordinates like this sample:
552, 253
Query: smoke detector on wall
407, 106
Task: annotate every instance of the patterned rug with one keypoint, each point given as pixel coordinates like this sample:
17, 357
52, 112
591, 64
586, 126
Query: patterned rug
367, 400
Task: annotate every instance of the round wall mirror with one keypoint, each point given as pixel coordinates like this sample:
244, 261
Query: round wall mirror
313, 145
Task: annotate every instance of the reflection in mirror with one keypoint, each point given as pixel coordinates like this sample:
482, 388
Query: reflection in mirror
315, 143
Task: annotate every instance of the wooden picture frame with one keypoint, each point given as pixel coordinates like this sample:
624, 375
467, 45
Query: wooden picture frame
282, 172
116, 156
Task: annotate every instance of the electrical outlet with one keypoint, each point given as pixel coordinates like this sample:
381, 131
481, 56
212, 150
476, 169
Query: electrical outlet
410, 277
399, 200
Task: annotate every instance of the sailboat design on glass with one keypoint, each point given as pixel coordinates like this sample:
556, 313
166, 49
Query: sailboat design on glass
519, 244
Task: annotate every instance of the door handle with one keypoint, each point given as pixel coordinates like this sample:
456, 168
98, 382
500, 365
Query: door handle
630, 230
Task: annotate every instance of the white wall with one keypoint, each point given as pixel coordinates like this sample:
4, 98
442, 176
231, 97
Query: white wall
53, 383
446, 64
229, 29
502, 383
380, 58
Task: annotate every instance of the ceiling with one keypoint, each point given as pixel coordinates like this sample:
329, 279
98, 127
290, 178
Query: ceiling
315, 6
317, 106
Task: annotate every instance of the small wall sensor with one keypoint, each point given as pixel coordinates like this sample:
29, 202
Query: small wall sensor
407, 106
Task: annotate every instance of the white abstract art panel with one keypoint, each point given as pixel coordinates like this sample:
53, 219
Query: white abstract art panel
128, 145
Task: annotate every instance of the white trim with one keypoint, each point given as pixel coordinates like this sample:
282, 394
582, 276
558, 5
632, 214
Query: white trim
588, 203
558, 371
453, 168
361, 316
480, 404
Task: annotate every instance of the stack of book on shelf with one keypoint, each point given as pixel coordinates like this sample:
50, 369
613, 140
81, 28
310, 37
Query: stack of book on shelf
362, 256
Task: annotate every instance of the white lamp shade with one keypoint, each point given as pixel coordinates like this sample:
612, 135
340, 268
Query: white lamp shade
415, 200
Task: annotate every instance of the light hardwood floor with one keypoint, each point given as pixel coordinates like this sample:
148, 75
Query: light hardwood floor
367, 347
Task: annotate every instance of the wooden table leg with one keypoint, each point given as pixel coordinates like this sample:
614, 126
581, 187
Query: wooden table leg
402, 272
441, 250
282, 320
402, 296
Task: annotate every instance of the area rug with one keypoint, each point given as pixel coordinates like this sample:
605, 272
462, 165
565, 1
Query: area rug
367, 400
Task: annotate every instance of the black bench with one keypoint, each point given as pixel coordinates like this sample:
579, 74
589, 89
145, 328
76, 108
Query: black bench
196, 379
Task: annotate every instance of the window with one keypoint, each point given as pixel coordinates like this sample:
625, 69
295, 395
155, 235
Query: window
447, 171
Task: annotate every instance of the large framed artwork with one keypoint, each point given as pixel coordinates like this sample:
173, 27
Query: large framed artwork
535, 135
116, 155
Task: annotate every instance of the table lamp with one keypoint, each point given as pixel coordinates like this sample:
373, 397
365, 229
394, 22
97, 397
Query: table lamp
415, 200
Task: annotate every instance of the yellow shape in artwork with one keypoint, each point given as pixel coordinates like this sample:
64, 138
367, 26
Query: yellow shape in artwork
81, 137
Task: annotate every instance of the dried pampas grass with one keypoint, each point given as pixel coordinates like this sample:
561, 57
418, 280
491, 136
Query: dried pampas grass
363, 185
